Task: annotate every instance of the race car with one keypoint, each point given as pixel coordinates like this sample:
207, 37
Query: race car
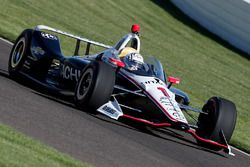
120, 83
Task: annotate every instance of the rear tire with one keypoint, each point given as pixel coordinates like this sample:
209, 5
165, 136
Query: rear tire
221, 116
19, 53
95, 86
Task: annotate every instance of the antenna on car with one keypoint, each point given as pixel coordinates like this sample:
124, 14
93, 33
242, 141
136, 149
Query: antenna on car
135, 29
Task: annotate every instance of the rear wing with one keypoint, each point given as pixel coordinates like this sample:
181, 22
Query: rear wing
78, 39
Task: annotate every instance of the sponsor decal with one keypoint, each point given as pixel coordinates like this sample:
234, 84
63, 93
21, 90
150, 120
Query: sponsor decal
37, 50
164, 100
135, 57
170, 104
163, 90
178, 115
109, 110
70, 73
48, 36
150, 82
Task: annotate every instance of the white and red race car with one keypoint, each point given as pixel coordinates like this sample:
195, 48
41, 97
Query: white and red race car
119, 83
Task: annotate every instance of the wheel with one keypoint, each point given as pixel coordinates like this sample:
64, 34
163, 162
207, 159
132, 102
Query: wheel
95, 86
221, 115
19, 52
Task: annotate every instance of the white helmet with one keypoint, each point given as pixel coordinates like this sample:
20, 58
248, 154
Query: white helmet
133, 61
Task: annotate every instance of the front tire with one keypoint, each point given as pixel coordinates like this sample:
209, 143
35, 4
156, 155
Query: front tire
95, 86
19, 52
221, 115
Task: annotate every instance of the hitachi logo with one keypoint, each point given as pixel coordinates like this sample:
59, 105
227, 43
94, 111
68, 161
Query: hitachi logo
70, 73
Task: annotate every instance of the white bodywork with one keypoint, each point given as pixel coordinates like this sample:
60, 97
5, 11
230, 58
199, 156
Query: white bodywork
153, 88
159, 93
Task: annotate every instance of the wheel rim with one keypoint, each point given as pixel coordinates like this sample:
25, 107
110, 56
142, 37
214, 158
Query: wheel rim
84, 84
206, 122
18, 53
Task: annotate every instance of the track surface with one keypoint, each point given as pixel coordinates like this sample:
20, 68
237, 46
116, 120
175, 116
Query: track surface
96, 139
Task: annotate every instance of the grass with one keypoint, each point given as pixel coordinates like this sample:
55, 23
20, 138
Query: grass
208, 66
19, 150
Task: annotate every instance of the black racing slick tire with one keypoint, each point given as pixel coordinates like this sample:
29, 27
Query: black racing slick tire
19, 53
95, 86
221, 116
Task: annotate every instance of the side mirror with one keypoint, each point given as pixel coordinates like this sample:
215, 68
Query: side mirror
173, 80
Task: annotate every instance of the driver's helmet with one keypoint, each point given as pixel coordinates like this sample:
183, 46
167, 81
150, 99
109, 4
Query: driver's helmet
134, 61
125, 51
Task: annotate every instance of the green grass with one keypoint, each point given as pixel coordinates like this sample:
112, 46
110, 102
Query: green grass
206, 67
18, 150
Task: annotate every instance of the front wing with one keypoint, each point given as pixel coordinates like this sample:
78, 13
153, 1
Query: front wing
115, 111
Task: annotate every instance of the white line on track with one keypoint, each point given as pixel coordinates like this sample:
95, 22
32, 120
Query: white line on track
10, 43
241, 151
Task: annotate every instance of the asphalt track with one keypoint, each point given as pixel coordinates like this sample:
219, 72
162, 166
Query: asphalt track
96, 139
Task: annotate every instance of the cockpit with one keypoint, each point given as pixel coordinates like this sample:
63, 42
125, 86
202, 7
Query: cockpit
128, 49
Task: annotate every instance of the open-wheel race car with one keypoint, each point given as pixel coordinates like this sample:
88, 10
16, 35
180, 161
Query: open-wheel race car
119, 83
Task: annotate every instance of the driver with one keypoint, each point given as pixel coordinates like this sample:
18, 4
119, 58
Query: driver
132, 59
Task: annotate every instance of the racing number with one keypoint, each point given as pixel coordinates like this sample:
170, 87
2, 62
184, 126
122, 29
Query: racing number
171, 105
163, 90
